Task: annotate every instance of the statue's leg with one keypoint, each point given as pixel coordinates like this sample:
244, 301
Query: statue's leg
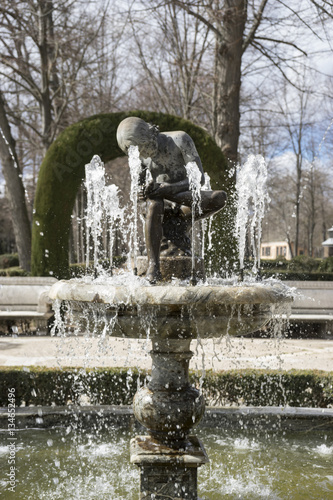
211, 203
154, 233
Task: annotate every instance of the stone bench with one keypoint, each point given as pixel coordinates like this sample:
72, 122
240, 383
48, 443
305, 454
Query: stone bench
24, 305
313, 297
312, 310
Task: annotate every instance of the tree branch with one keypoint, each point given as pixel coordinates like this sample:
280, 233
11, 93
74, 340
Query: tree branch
266, 54
32, 87
198, 16
299, 17
281, 41
320, 7
255, 25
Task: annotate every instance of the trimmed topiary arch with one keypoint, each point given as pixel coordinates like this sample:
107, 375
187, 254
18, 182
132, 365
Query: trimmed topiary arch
62, 172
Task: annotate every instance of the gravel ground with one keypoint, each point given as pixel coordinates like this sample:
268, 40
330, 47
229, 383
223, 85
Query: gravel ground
225, 354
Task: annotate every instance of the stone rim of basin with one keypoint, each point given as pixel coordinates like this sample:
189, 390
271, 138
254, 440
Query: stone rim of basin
180, 295
174, 312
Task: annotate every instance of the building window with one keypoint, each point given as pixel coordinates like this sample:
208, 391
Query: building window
281, 251
267, 251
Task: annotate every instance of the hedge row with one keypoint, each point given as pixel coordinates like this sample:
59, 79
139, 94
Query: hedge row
79, 269
300, 268
8, 260
297, 275
117, 386
299, 264
9, 265
13, 271
298, 388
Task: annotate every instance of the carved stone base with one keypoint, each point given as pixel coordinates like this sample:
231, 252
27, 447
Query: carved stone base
167, 473
174, 267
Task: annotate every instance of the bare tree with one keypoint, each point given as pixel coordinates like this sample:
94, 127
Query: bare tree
296, 123
15, 189
43, 50
172, 65
249, 37
300, 187
52, 53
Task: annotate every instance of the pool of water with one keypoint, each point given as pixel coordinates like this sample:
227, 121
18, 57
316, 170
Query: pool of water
83, 464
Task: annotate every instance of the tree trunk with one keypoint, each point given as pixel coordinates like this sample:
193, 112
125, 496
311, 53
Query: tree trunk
228, 75
45, 28
15, 190
290, 246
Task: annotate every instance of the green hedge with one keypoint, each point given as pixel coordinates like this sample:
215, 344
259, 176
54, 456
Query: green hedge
79, 269
117, 386
13, 271
299, 388
326, 265
274, 264
301, 268
304, 263
8, 260
297, 275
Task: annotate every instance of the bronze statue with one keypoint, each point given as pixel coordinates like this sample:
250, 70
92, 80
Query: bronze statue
168, 196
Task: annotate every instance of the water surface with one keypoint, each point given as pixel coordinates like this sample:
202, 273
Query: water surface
83, 464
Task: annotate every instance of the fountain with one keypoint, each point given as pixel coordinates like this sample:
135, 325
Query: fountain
170, 314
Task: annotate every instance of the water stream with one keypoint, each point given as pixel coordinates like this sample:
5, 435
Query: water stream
103, 207
95, 185
134, 163
252, 198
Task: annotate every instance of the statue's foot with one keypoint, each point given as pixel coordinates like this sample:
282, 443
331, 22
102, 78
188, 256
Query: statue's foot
218, 200
153, 274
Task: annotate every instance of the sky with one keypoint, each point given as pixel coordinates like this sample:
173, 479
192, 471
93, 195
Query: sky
319, 48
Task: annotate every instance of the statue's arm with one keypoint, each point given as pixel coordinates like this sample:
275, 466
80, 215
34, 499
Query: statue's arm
189, 154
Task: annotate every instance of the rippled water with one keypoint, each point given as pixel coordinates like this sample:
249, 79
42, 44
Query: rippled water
293, 466
60, 464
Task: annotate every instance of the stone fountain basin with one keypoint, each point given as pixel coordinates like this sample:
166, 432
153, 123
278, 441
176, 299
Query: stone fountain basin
170, 311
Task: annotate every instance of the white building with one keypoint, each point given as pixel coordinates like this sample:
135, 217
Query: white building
275, 249
328, 244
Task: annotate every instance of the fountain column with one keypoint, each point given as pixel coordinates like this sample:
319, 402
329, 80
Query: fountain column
169, 407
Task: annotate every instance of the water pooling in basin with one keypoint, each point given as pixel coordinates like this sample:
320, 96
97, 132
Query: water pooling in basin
93, 464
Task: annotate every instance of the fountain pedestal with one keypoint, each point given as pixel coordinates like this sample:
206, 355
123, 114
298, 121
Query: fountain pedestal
166, 472
169, 407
